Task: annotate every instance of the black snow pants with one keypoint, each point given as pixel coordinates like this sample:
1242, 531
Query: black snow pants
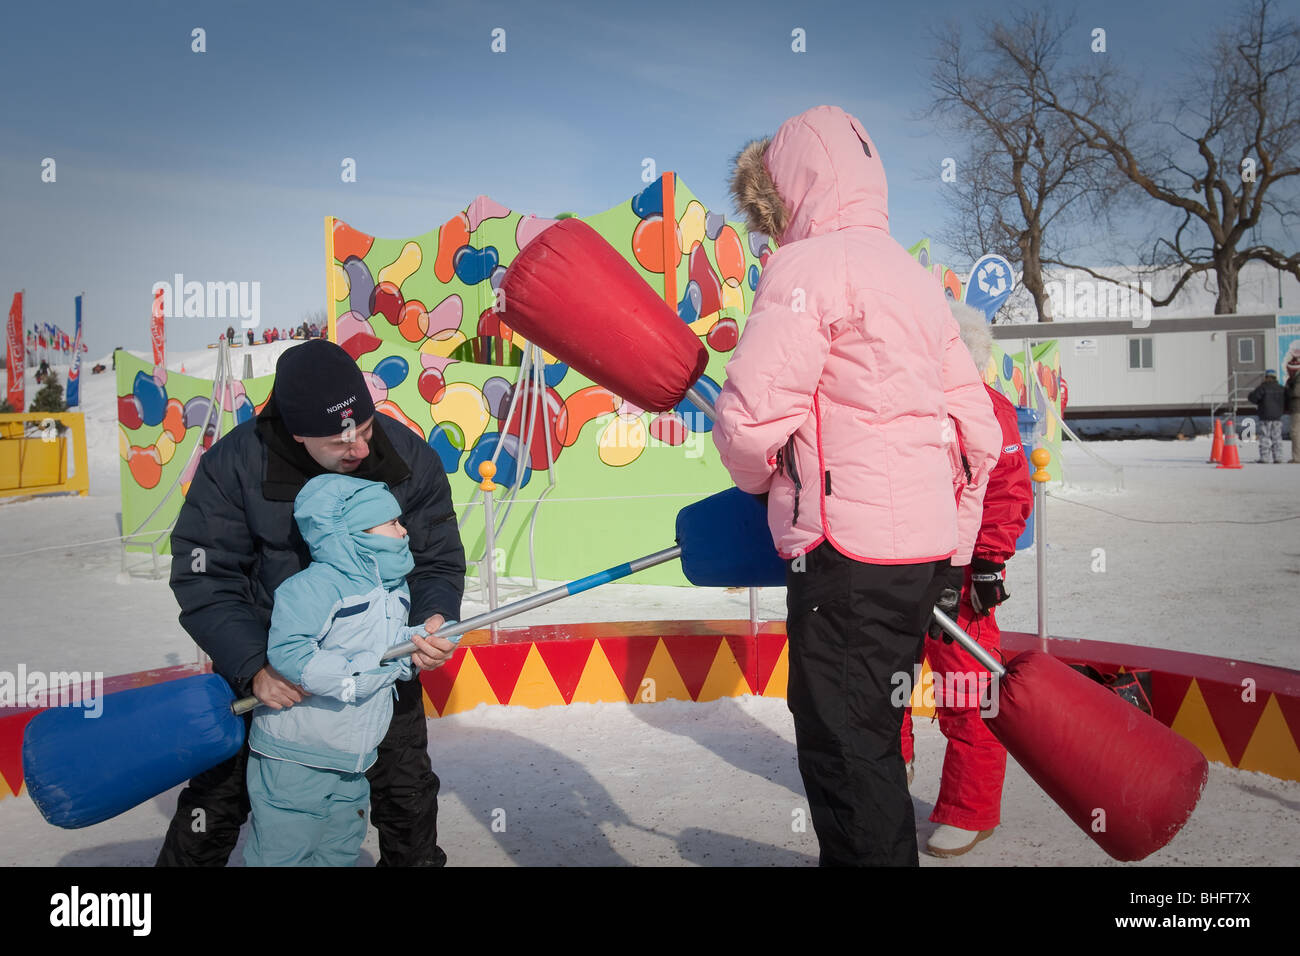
853, 629
403, 799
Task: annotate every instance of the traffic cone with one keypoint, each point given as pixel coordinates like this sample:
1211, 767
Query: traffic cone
1216, 450
1230, 459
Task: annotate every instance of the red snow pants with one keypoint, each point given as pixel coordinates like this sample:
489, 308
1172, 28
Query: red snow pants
974, 764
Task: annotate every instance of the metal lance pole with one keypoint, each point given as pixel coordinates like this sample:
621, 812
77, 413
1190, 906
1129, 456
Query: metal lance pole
486, 470
1040, 458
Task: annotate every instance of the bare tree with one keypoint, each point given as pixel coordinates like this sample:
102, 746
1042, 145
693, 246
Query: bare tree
1027, 185
1224, 160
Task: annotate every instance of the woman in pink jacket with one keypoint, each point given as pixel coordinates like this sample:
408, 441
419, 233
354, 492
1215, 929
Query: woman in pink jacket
848, 401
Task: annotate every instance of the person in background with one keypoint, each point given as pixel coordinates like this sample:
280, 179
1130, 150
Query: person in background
1269, 398
838, 406
974, 764
1293, 403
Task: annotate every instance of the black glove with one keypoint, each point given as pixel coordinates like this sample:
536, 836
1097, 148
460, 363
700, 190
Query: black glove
986, 588
949, 599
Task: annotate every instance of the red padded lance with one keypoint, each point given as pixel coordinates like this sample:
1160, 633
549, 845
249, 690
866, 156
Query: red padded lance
571, 293
1124, 778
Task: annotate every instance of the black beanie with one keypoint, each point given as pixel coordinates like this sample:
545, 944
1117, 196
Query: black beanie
319, 389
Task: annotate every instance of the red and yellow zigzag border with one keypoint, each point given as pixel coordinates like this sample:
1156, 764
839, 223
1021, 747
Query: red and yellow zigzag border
1240, 714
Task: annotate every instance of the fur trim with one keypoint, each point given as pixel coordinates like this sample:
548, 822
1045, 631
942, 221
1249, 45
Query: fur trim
756, 194
975, 334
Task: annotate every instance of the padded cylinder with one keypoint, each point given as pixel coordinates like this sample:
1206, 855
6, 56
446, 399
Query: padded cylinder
571, 293
1124, 778
726, 543
81, 769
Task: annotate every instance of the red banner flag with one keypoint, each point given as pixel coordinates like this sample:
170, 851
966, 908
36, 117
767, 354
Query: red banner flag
157, 331
14, 356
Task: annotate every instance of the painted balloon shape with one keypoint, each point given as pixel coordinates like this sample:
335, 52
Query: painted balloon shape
724, 335
386, 300
401, 268
730, 256
349, 242
174, 419
244, 411
529, 228
453, 234
756, 242
702, 273
753, 277
431, 385
621, 442
497, 392
413, 323
483, 208
692, 225
196, 411
145, 466
507, 461
356, 337
152, 398
360, 286
713, 224
392, 411
128, 412
668, 428
463, 404
392, 370
689, 308
553, 373
448, 452
446, 315
474, 265
648, 244
378, 390
584, 405
649, 201
528, 410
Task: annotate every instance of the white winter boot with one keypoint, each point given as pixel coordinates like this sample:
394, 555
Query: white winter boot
949, 841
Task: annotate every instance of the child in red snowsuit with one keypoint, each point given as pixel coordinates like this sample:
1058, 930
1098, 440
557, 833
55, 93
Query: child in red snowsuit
970, 791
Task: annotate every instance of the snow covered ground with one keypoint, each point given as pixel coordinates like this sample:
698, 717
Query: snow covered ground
717, 783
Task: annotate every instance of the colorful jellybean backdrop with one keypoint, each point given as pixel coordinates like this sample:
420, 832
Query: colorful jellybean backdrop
418, 316
163, 417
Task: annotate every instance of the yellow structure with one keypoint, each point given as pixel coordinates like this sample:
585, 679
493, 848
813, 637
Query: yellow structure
34, 455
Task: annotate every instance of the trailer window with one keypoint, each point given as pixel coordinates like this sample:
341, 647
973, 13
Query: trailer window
1246, 351
1139, 353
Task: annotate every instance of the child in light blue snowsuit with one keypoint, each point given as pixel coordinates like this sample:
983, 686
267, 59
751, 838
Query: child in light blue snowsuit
330, 624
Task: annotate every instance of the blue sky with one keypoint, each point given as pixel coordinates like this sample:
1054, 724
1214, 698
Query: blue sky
222, 165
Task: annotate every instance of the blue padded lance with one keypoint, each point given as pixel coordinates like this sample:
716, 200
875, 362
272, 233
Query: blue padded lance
725, 542
80, 770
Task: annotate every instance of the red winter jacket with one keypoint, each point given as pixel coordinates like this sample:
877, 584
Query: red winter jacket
1010, 496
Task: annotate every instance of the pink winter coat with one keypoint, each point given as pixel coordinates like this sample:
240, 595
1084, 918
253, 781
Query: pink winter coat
850, 364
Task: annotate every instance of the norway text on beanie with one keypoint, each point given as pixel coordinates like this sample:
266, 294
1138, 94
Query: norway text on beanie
319, 389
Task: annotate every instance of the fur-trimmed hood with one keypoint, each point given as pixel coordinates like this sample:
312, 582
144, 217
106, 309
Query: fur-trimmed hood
819, 173
975, 333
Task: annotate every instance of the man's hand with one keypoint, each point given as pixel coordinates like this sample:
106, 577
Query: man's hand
432, 651
274, 691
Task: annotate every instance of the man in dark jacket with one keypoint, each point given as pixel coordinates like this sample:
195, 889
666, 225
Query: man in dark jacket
1270, 399
236, 541
1293, 403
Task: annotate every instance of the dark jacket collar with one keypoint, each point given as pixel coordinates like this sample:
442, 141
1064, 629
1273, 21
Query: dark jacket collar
289, 466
